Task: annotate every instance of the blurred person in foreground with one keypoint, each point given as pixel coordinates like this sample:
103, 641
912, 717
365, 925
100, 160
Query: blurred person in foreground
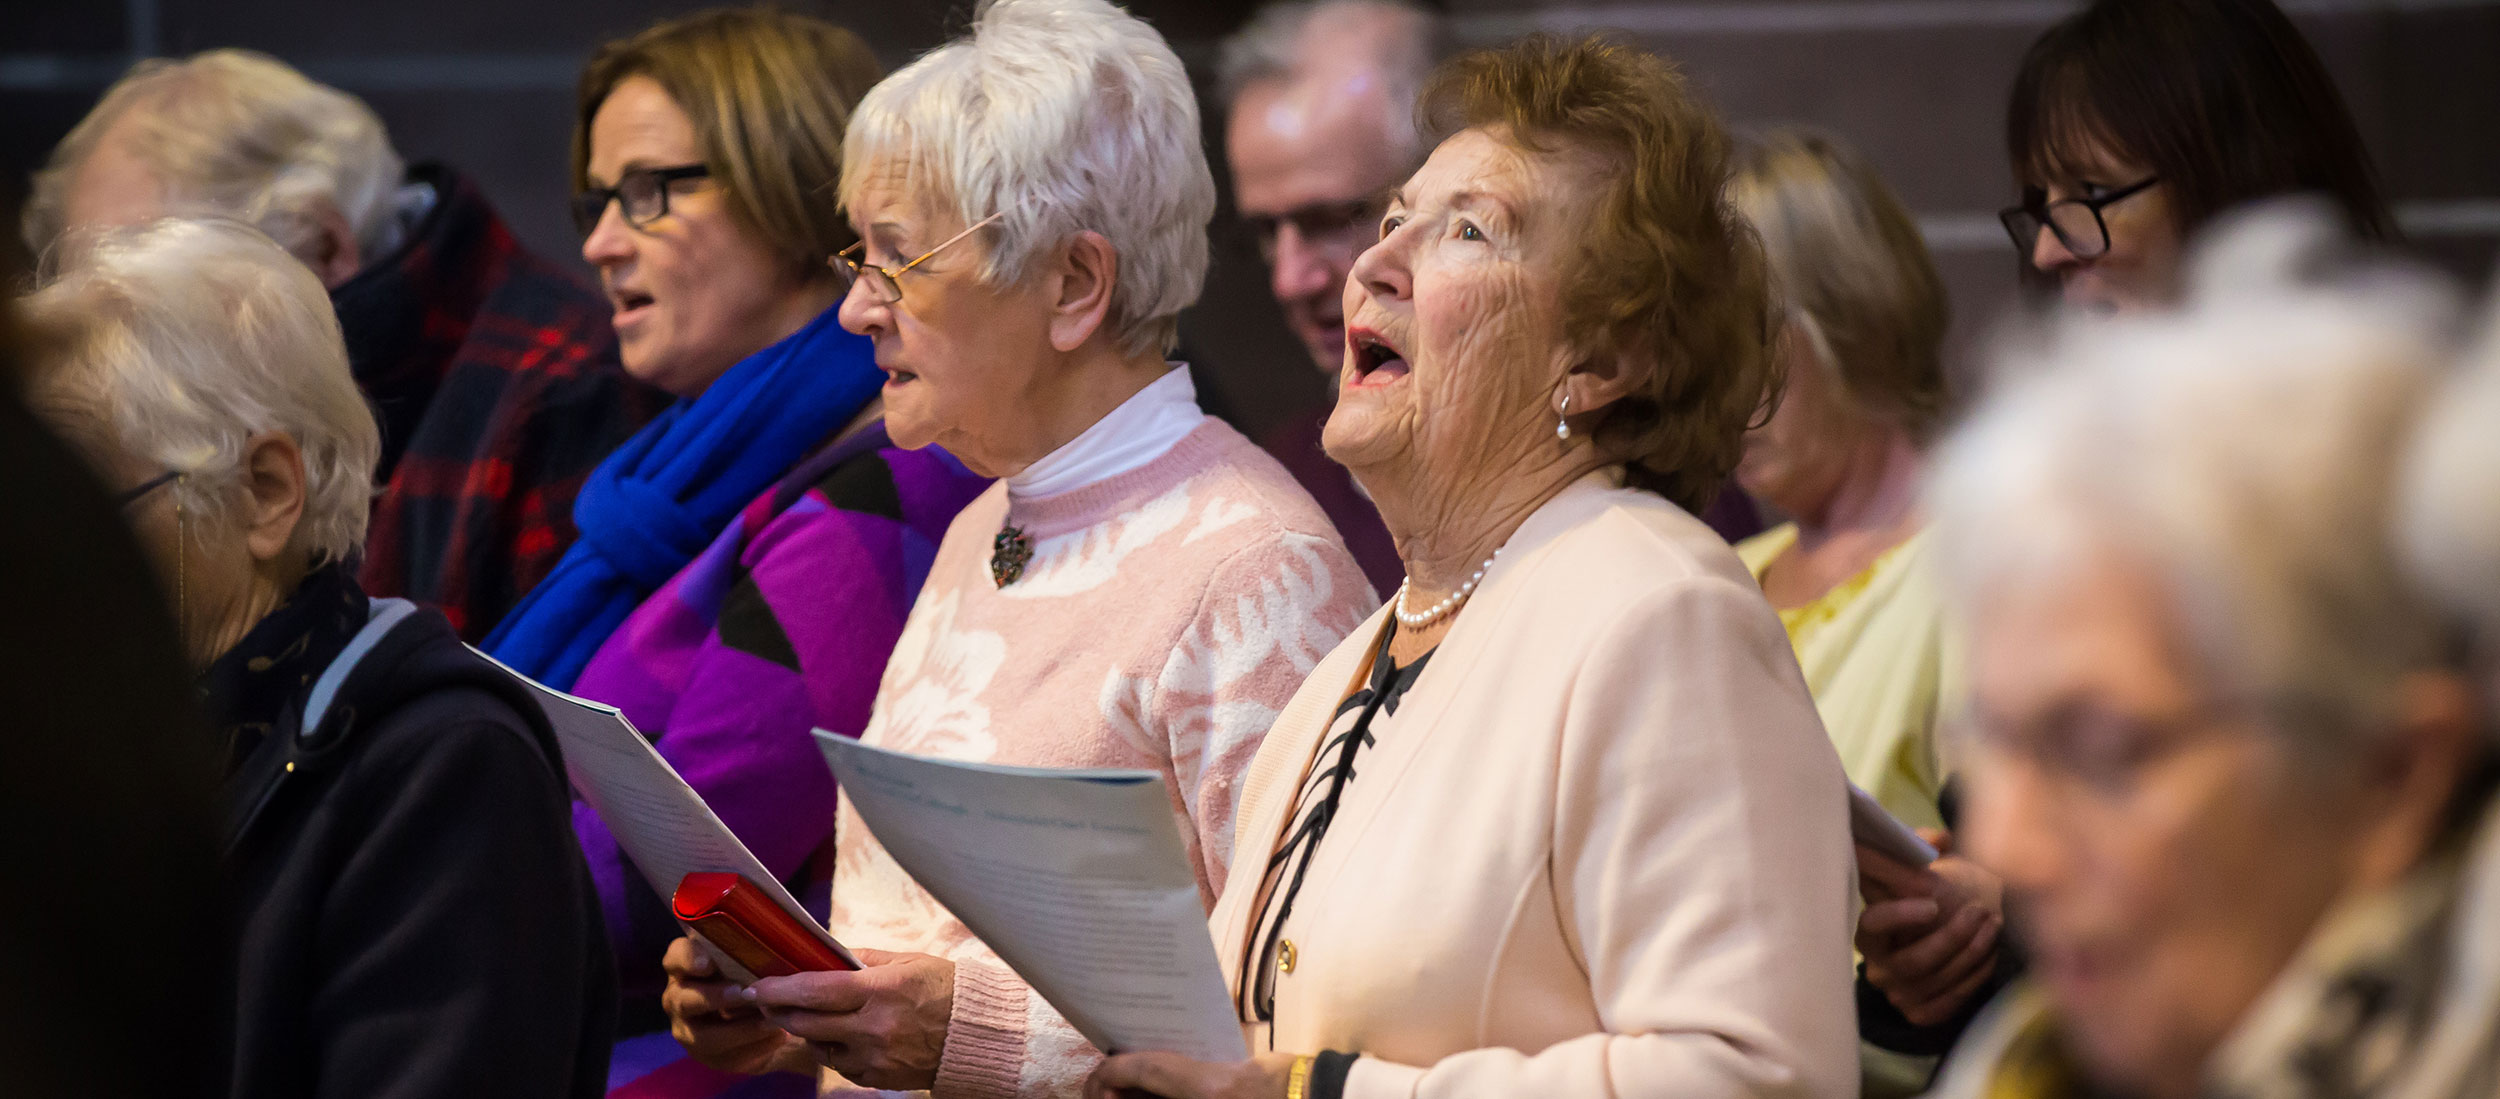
493, 371
2221, 750
415, 919
1851, 573
107, 812
1144, 588
2135, 122
1559, 820
803, 553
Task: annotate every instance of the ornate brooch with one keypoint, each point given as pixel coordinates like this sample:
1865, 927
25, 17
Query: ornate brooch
1009, 554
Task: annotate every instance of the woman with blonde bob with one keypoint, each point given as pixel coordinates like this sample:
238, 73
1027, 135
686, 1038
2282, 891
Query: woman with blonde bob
1144, 588
414, 918
1560, 820
2222, 750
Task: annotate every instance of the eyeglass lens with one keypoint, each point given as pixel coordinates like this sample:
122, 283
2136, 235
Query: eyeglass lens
881, 287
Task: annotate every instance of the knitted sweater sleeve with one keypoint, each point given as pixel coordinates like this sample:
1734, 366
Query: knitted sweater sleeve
1272, 610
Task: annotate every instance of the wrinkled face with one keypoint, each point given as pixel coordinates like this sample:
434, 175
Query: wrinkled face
694, 291
963, 361
112, 187
1310, 167
1454, 332
2141, 268
1797, 459
2168, 856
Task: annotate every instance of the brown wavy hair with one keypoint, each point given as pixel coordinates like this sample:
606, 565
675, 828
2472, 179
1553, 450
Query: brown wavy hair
1665, 269
770, 93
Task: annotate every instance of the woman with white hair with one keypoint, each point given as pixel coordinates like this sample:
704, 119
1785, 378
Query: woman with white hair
2220, 750
393, 801
1145, 588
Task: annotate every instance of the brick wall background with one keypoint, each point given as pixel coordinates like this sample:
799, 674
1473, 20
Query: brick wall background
1919, 84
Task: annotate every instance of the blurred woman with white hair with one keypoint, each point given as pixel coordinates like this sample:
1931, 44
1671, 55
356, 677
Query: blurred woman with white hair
1145, 588
2220, 749
393, 801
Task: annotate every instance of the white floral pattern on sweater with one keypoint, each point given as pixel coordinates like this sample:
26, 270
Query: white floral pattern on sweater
1167, 615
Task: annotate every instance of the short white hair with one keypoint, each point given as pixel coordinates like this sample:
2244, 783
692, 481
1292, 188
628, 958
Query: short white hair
1282, 40
2243, 451
2449, 521
1060, 116
182, 339
238, 134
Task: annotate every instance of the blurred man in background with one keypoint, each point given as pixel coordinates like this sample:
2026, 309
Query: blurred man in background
494, 372
1320, 101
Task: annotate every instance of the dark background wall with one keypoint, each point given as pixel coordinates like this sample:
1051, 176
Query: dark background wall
1919, 84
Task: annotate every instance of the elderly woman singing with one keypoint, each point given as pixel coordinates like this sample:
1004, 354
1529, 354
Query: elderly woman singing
1144, 587
1561, 819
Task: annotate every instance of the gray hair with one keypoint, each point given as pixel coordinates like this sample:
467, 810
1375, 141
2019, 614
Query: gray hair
2449, 519
1277, 44
182, 339
2242, 450
233, 133
1060, 116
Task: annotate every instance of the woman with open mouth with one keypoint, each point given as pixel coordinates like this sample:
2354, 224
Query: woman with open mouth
1561, 819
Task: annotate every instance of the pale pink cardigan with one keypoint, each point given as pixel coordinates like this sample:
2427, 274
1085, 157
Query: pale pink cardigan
1602, 849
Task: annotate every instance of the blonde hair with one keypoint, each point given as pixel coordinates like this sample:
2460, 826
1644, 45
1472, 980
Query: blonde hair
233, 133
1060, 116
770, 94
179, 340
1849, 266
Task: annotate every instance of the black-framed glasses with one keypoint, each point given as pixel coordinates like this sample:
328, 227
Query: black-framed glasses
2076, 221
883, 282
141, 490
641, 193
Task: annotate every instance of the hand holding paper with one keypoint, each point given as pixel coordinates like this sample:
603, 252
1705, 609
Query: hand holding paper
1077, 879
658, 819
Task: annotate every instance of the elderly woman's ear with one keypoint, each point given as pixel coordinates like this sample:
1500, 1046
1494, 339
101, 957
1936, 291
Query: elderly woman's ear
2414, 773
1081, 286
273, 480
1599, 380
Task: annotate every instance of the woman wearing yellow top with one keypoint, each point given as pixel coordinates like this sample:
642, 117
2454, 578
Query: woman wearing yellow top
1842, 455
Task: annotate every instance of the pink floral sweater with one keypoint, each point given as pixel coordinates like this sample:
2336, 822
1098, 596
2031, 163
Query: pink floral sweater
1168, 613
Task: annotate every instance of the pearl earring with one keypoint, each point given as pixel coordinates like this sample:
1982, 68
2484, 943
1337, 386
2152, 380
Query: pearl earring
1562, 421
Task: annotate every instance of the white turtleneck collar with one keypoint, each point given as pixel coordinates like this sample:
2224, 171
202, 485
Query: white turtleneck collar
1139, 431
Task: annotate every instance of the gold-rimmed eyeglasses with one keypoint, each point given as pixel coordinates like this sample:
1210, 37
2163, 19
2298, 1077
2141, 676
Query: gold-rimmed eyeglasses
884, 285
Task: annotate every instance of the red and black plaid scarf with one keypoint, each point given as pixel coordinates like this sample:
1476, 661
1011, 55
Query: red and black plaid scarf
494, 375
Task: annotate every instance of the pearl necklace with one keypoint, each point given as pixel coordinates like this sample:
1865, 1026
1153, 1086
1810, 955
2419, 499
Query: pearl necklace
1435, 612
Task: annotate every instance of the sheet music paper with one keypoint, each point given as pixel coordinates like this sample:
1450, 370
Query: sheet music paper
658, 819
1077, 879
1877, 828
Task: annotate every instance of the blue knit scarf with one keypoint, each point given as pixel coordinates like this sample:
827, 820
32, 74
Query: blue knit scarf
672, 488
